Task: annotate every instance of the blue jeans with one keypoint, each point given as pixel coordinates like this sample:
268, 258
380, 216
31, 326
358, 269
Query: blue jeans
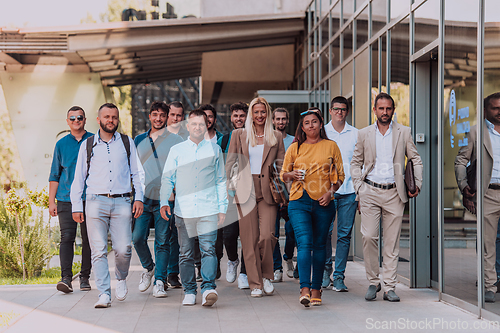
206, 230
345, 205
114, 215
289, 242
310, 223
162, 238
173, 257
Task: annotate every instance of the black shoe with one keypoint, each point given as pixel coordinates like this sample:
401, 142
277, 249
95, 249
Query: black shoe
198, 276
296, 272
391, 296
496, 284
173, 281
84, 284
65, 285
219, 273
372, 291
489, 297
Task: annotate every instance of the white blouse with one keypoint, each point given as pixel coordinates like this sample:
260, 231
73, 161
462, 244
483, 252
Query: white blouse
256, 153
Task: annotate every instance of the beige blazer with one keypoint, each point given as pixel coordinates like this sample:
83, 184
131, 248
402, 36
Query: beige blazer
468, 153
365, 154
238, 151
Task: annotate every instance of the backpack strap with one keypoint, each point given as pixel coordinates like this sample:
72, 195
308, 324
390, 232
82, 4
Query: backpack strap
126, 143
225, 140
90, 147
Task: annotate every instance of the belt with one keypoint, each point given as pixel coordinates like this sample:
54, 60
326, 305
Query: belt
494, 186
123, 195
384, 187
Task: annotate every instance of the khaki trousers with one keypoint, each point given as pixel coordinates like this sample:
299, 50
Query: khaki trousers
491, 215
257, 237
377, 203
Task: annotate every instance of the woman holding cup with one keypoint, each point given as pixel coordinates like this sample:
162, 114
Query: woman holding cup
313, 164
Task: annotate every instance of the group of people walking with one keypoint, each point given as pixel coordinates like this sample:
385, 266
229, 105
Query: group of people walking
201, 190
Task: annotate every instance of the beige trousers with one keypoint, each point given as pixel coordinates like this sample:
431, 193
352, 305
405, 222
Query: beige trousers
257, 237
375, 204
491, 215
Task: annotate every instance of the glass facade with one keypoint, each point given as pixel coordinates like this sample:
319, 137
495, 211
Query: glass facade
438, 59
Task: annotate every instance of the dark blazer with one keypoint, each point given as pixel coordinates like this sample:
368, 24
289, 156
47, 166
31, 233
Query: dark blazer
238, 151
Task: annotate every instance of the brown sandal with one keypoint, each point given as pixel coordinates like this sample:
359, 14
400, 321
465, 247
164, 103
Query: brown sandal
305, 296
316, 297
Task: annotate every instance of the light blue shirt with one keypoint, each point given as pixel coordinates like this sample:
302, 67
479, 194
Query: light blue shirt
495, 145
346, 141
109, 171
198, 175
287, 141
383, 171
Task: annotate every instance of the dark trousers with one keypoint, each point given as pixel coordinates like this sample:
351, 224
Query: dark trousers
68, 233
228, 237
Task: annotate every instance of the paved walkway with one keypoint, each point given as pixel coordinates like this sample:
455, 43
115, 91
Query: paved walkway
40, 308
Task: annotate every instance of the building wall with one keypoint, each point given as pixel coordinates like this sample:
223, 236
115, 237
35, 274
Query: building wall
218, 8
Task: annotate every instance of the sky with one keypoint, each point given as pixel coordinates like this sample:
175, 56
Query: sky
44, 13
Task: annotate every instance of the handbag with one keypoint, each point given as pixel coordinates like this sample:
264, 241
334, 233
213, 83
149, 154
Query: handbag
278, 188
410, 177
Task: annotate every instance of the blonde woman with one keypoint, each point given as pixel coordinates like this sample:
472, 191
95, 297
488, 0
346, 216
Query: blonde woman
251, 151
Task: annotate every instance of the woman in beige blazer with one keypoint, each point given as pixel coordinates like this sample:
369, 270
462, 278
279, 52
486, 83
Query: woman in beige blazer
251, 151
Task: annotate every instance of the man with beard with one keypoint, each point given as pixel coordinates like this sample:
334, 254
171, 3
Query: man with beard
281, 117
61, 176
212, 134
174, 120
153, 147
491, 185
106, 169
377, 171
195, 168
228, 235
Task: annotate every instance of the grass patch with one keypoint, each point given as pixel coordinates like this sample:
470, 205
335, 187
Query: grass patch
47, 276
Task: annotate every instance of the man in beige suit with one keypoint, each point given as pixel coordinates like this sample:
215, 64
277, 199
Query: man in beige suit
491, 184
377, 171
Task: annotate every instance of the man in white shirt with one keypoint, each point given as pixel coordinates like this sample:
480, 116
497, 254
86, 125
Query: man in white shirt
195, 168
281, 118
108, 200
377, 171
346, 137
491, 185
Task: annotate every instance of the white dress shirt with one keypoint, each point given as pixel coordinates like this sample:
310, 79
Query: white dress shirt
383, 171
197, 172
109, 172
495, 145
346, 141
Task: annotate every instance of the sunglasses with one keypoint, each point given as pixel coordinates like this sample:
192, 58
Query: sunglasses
79, 118
305, 113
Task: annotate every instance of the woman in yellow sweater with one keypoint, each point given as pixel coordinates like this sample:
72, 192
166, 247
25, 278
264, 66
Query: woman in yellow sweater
314, 166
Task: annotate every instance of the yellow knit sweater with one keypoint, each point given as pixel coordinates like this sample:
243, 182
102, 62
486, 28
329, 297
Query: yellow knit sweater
316, 159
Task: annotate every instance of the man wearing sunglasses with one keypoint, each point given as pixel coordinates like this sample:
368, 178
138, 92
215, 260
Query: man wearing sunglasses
61, 176
346, 137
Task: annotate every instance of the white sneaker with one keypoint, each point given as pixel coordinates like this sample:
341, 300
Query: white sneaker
268, 287
146, 277
121, 290
243, 281
232, 266
189, 299
209, 297
159, 289
103, 302
289, 268
278, 276
256, 292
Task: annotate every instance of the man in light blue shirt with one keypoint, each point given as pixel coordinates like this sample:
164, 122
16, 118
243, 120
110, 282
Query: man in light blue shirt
281, 118
346, 137
195, 168
113, 162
